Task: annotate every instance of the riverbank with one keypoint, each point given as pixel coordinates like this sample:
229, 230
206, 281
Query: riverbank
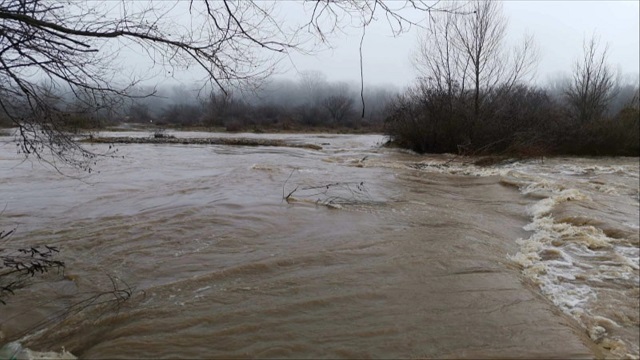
169, 139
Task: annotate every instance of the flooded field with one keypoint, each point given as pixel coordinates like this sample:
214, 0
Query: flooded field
351, 250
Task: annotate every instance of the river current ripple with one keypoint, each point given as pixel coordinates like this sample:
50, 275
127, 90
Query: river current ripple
376, 252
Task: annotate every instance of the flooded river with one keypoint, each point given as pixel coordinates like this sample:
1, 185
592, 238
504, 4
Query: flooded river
375, 253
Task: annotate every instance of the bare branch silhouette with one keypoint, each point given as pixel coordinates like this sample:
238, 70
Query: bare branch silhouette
80, 49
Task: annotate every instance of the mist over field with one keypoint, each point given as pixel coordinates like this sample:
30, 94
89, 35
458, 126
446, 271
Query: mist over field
343, 179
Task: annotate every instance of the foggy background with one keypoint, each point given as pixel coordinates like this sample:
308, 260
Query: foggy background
558, 27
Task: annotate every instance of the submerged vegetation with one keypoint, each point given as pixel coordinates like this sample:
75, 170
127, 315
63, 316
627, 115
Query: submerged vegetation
18, 265
526, 121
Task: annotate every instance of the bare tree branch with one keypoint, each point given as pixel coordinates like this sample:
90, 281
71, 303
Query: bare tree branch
80, 48
461, 54
593, 84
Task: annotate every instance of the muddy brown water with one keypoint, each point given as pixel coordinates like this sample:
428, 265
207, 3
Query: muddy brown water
378, 253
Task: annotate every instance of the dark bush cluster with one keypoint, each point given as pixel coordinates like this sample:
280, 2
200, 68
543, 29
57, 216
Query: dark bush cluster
520, 120
474, 96
614, 135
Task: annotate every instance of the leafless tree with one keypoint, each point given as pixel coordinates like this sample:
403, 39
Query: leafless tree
216, 108
480, 37
78, 47
468, 53
593, 84
225, 109
439, 60
313, 86
627, 94
139, 113
339, 107
339, 103
75, 46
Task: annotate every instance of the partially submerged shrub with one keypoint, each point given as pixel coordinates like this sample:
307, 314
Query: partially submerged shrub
521, 120
427, 120
615, 136
17, 266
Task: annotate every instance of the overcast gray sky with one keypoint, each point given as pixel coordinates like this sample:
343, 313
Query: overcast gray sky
559, 28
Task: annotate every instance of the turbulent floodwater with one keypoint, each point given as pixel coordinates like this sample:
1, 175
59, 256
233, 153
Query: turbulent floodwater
376, 253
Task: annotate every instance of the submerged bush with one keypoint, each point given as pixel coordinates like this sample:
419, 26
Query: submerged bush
18, 265
427, 120
611, 136
519, 120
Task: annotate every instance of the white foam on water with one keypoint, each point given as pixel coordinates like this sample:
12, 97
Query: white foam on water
15, 351
462, 169
568, 261
573, 169
557, 258
202, 289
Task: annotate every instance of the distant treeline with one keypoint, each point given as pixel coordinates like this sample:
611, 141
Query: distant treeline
310, 102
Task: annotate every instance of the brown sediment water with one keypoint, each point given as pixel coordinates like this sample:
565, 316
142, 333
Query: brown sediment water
377, 253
